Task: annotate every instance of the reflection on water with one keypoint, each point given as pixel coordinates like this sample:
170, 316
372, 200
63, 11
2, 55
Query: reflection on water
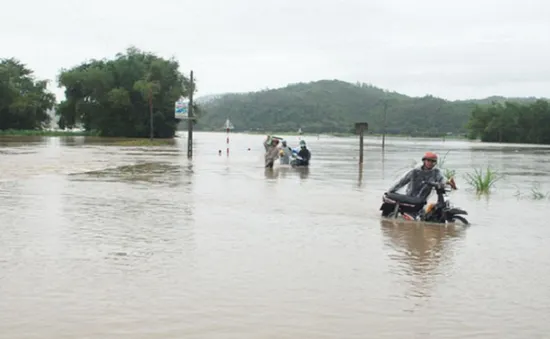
287, 172
99, 240
421, 252
144, 173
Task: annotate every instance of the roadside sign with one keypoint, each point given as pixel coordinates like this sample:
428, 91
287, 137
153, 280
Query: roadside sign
181, 110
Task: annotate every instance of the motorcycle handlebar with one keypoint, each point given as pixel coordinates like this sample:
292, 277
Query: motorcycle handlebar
433, 184
438, 184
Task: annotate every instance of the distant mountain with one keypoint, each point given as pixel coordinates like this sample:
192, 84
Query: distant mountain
498, 99
334, 106
207, 98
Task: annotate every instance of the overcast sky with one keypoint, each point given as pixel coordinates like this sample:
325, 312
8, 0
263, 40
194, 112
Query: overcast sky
452, 49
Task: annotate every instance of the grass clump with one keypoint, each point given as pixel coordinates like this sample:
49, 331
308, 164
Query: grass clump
535, 193
441, 161
482, 181
447, 172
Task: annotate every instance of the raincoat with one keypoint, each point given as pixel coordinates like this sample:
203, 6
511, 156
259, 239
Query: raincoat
286, 153
271, 152
414, 179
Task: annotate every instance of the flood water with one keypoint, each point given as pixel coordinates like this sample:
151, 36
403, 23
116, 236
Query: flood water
101, 241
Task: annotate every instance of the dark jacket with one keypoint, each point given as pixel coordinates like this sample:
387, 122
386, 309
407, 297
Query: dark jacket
305, 154
414, 179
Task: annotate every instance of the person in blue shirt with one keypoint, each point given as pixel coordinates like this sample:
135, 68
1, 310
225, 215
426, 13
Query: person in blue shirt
285, 153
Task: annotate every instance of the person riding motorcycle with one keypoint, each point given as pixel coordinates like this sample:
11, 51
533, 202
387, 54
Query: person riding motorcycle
416, 177
303, 156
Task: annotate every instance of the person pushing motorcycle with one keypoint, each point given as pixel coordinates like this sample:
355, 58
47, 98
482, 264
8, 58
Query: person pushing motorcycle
416, 178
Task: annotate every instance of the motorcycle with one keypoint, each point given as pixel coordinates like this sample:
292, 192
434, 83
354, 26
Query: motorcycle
412, 208
296, 162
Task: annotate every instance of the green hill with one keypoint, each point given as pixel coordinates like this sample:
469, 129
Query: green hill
334, 106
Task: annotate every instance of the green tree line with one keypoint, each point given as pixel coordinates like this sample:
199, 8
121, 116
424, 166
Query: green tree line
108, 97
511, 122
334, 106
111, 98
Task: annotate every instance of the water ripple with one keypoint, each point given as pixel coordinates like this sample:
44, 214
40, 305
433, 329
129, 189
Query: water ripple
144, 243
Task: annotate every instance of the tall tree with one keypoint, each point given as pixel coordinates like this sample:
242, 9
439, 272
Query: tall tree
112, 97
24, 101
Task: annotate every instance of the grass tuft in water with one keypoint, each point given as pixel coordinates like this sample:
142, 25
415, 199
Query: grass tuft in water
535, 193
538, 195
447, 172
441, 161
482, 181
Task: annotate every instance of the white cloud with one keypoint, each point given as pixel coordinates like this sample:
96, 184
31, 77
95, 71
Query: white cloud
453, 49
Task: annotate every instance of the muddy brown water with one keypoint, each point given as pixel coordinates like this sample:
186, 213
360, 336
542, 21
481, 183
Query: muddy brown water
100, 241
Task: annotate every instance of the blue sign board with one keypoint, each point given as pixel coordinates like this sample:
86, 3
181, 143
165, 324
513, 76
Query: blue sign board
181, 110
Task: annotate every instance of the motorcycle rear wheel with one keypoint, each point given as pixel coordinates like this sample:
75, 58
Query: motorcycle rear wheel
460, 219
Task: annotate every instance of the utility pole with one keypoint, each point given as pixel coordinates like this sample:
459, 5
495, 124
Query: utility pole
360, 128
190, 119
384, 132
151, 131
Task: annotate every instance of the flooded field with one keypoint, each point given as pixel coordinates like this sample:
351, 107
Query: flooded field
101, 241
